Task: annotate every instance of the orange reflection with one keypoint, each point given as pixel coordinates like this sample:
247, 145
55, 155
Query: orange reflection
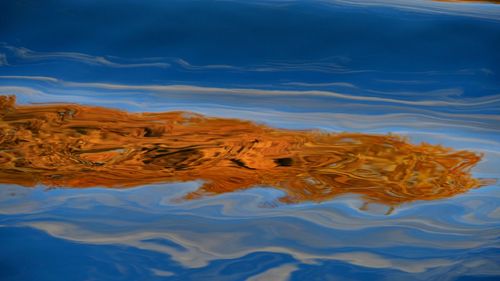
67, 145
473, 1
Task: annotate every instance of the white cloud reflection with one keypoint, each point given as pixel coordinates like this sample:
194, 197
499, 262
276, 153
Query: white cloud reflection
235, 225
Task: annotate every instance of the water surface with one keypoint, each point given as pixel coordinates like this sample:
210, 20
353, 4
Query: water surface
419, 71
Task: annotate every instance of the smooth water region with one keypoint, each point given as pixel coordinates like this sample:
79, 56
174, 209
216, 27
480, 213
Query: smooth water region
284, 140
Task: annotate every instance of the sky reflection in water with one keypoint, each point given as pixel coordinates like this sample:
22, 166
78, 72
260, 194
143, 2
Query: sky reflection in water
421, 69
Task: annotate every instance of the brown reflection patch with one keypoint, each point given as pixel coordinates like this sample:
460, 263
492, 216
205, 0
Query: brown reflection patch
68, 145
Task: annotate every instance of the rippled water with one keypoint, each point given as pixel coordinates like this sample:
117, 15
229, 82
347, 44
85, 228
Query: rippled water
426, 71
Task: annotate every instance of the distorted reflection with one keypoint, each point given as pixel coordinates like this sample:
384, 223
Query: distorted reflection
72, 145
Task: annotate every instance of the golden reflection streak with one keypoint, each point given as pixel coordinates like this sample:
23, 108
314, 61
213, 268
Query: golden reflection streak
69, 145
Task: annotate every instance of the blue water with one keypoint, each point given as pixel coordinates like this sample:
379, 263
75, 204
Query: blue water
426, 70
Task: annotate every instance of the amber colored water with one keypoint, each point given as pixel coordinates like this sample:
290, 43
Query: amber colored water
79, 146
